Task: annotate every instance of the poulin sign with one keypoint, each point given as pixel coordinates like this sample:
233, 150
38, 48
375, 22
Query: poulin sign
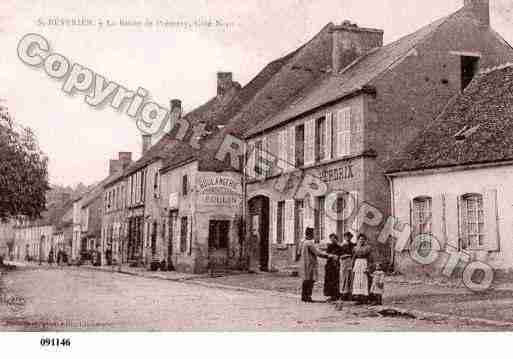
216, 190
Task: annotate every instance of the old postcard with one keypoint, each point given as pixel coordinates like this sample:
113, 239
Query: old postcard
256, 166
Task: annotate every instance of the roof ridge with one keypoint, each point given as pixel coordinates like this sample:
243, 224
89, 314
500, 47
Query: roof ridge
488, 70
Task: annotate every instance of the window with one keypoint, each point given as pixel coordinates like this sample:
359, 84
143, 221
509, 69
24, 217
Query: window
183, 235
185, 185
320, 139
218, 234
320, 219
280, 223
472, 221
421, 216
469, 67
300, 145
344, 132
298, 220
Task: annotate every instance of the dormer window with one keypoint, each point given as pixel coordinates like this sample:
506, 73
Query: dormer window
469, 68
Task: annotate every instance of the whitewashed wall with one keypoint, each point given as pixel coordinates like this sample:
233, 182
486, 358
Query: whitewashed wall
444, 189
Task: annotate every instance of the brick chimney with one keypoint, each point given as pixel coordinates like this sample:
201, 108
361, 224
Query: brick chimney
125, 158
351, 42
146, 143
114, 166
480, 9
224, 82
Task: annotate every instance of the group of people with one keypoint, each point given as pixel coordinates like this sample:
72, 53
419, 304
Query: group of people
350, 273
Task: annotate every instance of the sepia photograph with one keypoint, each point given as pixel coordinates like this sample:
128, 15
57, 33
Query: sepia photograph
290, 166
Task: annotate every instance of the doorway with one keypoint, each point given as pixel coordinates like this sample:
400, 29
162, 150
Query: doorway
173, 215
259, 224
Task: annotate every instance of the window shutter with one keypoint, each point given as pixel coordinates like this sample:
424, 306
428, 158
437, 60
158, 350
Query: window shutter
414, 220
329, 139
289, 221
262, 157
491, 220
463, 242
331, 223
291, 147
308, 213
250, 168
452, 224
437, 219
282, 146
356, 221
344, 132
273, 216
272, 152
310, 142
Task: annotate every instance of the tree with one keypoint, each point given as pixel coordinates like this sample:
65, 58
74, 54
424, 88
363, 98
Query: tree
23, 170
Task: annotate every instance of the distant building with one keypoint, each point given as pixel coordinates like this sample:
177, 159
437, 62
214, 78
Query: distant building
454, 180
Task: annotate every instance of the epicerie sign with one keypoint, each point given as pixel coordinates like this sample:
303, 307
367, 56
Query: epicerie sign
217, 190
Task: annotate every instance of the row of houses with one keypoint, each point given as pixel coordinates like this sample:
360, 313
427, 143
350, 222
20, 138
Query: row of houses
411, 128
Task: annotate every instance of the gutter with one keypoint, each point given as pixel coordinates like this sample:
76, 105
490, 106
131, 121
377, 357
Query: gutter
448, 168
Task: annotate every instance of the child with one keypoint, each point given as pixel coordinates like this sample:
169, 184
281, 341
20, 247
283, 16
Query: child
378, 286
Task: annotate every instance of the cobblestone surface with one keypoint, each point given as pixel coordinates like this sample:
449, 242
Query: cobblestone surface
65, 299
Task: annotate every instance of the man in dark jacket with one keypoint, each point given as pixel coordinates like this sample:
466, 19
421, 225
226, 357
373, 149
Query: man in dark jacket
310, 265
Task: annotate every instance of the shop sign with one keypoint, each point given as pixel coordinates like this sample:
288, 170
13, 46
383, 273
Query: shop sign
219, 191
341, 173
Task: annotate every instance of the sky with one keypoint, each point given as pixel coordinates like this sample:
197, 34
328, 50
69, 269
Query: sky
170, 62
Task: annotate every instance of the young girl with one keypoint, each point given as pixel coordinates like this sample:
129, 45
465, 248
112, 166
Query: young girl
378, 286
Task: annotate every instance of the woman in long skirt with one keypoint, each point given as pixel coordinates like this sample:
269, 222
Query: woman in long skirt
346, 266
332, 270
362, 258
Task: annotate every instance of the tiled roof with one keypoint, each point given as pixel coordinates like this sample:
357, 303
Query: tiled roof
274, 87
353, 78
476, 127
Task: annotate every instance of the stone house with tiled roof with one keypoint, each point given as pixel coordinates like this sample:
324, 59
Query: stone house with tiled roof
338, 135
453, 181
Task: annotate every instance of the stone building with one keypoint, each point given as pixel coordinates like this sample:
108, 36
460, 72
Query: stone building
453, 181
341, 132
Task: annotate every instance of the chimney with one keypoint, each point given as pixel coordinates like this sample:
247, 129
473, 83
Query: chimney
125, 158
351, 42
114, 166
146, 143
224, 82
480, 9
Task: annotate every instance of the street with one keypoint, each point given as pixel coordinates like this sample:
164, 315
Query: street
71, 299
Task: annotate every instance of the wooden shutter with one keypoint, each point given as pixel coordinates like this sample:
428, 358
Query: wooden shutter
437, 218
308, 213
491, 220
452, 222
291, 147
282, 148
344, 132
289, 221
463, 240
331, 223
310, 142
262, 158
356, 221
329, 136
273, 216
250, 167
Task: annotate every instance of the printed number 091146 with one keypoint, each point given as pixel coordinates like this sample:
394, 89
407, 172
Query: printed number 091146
55, 342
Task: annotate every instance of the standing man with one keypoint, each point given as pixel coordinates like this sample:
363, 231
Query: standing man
310, 265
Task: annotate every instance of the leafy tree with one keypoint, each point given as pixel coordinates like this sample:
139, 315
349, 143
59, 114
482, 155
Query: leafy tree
23, 170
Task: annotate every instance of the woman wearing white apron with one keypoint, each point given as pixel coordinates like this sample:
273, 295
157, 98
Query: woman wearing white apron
362, 258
